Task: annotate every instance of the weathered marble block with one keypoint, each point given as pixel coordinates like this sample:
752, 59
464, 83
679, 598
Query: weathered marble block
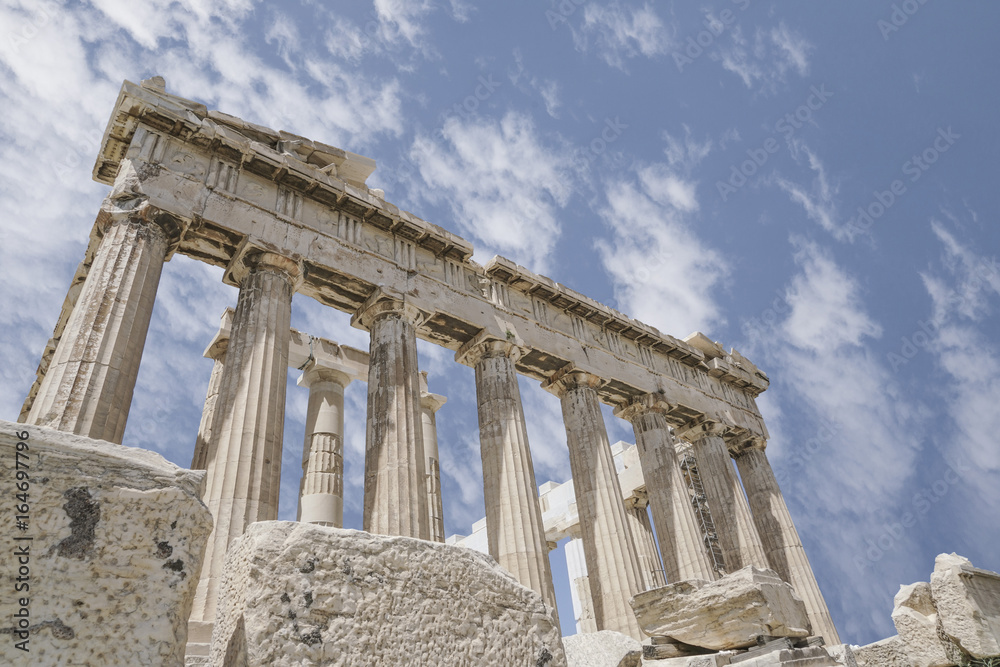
606, 648
968, 604
728, 613
919, 628
886, 653
104, 569
301, 594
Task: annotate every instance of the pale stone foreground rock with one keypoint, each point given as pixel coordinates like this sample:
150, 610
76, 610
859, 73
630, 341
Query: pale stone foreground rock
606, 648
117, 539
919, 628
968, 604
886, 653
728, 613
300, 594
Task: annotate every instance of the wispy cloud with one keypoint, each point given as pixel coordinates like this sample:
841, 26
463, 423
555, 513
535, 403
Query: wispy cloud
819, 198
621, 33
502, 182
765, 59
662, 273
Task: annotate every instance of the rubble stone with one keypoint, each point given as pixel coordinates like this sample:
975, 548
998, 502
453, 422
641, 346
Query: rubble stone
920, 629
108, 556
302, 594
728, 613
968, 604
607, 648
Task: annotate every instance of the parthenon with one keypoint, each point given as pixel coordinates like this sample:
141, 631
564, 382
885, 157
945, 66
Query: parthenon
282, 214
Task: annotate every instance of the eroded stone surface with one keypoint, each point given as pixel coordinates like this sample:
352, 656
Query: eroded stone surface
116, 539
299, 594
919, 628
886, 653
968, 604
728, 613
606, 648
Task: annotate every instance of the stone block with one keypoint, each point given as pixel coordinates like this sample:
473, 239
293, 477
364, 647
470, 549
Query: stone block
968, 604
302, 594
919, 628
109, 555
886, 653
728, 613
810, 656
606, 648
711, 660
843, 654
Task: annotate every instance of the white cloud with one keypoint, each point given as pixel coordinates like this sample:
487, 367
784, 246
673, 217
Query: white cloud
766, 59
503, 184
818, 200
662, 273
687, 152
619, 34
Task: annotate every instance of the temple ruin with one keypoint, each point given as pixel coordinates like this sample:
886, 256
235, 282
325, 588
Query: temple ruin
282, 214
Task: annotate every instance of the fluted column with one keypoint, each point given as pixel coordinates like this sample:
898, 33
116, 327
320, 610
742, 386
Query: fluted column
321, 491
680, 540
429, 405
612, 561
751, 544
781, 539
244, 455
216, 350
88, 387
395, 475
579, 587
645, 543
722, 489
513, 516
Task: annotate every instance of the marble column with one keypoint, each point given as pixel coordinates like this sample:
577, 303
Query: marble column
781, 539
612, 561
645, 543
579, 587
321, 491
722, 489
751, 544
216, 351
88, 387
244, 455
513, 516
395, 477
429, 405
679, 536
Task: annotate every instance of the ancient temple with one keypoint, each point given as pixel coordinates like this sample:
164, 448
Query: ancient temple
282, 215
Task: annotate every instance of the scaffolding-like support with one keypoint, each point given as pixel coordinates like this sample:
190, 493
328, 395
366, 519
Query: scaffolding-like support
689, 467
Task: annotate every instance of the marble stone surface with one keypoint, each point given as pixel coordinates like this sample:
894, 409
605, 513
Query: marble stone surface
302, 594
110, 554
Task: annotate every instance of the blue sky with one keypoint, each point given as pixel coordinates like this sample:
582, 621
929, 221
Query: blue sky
811, 183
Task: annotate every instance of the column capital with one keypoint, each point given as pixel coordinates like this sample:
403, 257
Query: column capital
137, 210
386, 301
252, 259
740, 441
429, 401
570, 377
640, 405
698, 428
486, 345
220, 342
314, 373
